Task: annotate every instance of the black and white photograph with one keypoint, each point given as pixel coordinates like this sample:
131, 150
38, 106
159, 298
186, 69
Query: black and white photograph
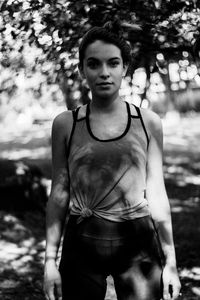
99, 150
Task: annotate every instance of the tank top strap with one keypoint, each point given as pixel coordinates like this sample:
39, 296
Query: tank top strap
75, 117
128, 109
142, 122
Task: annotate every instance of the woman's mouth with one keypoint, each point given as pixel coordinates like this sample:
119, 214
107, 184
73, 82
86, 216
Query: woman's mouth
104, 83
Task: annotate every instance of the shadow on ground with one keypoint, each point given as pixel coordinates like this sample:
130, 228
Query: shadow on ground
23, 195
21, 252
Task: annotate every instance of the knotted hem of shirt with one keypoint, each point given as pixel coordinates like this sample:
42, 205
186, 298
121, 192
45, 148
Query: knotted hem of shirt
85, 213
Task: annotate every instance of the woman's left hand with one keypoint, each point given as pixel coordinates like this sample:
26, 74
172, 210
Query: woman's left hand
171, 283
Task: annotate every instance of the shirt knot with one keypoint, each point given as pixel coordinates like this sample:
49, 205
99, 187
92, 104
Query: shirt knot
86, 212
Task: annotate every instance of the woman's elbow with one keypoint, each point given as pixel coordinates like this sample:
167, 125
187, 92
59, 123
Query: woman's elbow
59, 200
161, 215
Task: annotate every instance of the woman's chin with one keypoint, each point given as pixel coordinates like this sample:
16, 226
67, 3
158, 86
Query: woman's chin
104, 94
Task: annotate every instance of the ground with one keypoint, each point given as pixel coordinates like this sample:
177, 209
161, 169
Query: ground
22, 233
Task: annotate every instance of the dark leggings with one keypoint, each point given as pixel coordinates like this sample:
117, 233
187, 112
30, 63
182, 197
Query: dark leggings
96, 248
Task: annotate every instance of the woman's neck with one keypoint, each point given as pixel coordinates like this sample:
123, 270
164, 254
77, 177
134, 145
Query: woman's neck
106, 105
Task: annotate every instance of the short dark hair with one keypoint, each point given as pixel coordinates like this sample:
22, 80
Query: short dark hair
111, 33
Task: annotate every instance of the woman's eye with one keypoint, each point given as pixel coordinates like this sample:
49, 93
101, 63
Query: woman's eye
96, 64
92, 65
114, 63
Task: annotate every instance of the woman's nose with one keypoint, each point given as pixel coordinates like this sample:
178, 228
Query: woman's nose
104, 72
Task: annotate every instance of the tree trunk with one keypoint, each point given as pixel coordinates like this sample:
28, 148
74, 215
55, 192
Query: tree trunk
67, 90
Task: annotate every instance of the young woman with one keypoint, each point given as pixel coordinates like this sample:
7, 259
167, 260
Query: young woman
107, 162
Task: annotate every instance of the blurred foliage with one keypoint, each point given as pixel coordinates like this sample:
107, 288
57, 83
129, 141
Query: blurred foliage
54, 28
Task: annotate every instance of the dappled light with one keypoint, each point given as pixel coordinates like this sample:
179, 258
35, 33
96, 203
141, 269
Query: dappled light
192, 277
27, 142
181, 161
193, 273
25, 153
21, 254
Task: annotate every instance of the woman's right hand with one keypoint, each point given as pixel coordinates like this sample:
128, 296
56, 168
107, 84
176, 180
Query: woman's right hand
52, 281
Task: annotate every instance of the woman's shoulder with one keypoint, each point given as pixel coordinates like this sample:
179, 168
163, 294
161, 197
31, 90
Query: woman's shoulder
62, 123
63, 119
152, 121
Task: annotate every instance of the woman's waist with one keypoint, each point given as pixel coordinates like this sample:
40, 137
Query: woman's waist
115, 211
100, 228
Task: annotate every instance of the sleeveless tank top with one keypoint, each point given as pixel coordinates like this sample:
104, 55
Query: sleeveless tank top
108, 177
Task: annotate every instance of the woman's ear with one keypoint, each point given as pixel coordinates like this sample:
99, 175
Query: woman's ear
81, 72
125, 68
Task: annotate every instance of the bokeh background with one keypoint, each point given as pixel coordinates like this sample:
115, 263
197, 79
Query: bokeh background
39, 79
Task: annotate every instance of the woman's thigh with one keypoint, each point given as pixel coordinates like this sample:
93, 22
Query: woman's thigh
82, 284
82, 273
137, 267
142, 281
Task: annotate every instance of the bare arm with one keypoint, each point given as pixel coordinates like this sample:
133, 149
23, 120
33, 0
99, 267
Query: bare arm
57, 205
159, 206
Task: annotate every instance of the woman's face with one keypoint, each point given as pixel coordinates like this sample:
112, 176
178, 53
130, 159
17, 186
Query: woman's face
103, 69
